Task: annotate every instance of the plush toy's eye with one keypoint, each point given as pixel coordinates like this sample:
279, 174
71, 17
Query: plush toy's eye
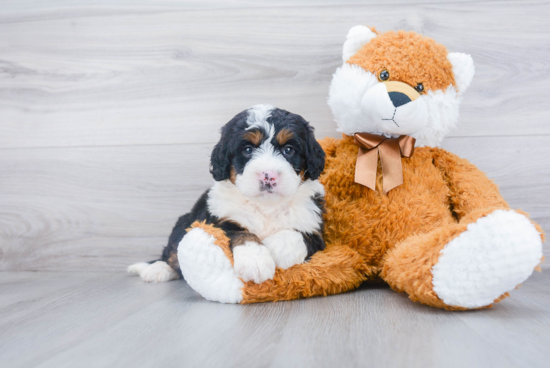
288, 151
247, 151
384, 75
419, 88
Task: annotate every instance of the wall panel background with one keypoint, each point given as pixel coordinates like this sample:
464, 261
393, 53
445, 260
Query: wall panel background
108, 113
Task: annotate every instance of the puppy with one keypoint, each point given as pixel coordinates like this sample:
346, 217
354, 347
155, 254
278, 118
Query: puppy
266, 197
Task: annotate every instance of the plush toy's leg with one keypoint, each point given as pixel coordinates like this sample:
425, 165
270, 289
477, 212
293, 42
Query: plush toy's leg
207, 265
466, 266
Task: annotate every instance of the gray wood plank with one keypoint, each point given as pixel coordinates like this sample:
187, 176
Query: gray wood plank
38, 328
114, 320
154, 77
102, 208
33, 9
95, 208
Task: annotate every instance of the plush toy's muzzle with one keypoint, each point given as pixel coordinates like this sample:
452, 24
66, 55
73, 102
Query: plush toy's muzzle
395, 108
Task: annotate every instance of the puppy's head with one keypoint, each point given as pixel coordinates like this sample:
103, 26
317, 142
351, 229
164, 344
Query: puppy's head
267, 153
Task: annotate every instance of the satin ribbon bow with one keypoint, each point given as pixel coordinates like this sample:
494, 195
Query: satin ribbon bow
390, 150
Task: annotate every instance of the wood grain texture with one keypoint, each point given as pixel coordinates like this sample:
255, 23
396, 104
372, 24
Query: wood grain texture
108, 112
79, 77
105, 320
103, 208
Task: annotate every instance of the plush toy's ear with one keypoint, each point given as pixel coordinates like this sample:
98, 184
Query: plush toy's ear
463, 69
356, 38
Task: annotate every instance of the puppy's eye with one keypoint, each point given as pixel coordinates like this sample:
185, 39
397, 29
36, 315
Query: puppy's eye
288, 151
384, 75
247, 151
419, 88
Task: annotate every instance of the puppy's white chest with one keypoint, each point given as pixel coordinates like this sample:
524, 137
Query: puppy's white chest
267, 218
266, 221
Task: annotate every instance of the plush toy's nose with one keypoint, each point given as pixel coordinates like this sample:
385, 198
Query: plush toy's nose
400, 93
398, 98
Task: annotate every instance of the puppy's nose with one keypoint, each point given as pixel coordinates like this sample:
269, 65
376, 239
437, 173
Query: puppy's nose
398, 98
270, 177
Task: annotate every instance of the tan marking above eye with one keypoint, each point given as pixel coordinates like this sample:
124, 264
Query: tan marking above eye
284, 136
255, 137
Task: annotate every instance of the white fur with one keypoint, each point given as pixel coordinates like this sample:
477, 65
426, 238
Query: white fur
266, 158
463, 70
492, 257
136, 268
257, 118
287, 248
356, 38
157, 272
253, 262
351, 84
207, 269
263, 219
405, 119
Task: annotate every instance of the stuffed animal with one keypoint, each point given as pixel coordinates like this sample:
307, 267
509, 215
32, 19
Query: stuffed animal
398, 208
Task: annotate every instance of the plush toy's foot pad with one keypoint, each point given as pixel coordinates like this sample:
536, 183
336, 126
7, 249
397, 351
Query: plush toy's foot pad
207, 269
156, 272
493, 256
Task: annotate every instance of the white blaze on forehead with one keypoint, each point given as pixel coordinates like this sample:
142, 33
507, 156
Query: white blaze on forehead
257, 118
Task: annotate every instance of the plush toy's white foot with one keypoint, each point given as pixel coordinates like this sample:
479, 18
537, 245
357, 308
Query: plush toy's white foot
156, 272
207, 269
287, 248
253, 262
492, 257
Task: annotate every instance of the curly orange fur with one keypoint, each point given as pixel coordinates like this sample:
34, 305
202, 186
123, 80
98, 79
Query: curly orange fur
409, 58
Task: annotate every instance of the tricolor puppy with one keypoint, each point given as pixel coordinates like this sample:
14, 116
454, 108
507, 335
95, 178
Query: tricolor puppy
266, 197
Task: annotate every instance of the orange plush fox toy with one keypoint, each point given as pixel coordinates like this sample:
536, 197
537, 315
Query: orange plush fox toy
398, 208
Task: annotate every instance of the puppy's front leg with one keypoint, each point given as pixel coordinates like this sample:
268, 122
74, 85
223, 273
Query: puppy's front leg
252, 260
291, 247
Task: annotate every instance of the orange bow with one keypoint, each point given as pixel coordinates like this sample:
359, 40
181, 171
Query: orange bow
390, 151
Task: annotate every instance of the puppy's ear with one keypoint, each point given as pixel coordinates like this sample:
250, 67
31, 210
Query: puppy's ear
315, 156
220, 162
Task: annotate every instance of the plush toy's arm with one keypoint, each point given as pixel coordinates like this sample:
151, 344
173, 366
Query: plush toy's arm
472, 194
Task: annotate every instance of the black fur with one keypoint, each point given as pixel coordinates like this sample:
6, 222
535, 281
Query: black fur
200, 213
229, 153
309, 157
225, 150
314, 241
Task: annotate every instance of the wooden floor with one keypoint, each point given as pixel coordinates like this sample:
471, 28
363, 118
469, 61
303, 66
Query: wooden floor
113, 320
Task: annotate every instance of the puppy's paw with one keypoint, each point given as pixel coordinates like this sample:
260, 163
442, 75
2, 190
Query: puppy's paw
287, 248
137, 268
158, 272
253, 262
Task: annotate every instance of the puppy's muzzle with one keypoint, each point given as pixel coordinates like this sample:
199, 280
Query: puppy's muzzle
268, 180
401, 93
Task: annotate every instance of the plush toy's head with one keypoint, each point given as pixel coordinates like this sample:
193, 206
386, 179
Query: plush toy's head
398, 83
